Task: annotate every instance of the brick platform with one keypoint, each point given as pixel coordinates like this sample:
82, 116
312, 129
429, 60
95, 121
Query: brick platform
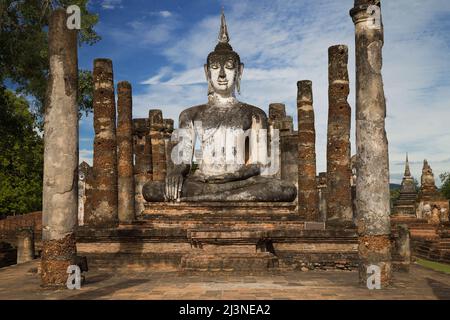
219, 237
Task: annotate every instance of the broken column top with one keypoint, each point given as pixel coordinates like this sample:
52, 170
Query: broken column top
367, 2
155, 116
337, 64
141, 126
277, 111
124, 84
168, 125
58, 21
84, 169
305, 91
155, 120
104, 63
322, 179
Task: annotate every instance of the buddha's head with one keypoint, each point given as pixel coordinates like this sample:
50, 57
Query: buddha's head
223, 66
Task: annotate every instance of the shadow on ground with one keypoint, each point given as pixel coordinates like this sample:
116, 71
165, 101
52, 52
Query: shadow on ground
440, 289
107, 291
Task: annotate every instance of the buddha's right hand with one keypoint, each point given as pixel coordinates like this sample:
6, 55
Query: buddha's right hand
174, 184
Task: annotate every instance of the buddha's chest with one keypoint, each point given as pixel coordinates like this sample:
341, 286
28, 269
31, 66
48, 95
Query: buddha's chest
225, 118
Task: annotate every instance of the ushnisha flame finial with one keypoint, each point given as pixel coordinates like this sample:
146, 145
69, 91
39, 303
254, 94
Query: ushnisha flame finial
223, 33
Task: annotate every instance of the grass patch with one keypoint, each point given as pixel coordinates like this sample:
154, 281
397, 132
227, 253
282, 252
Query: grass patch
436, 266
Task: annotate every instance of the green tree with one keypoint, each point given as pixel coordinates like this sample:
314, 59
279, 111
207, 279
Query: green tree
416, 184
24, 48
21, 156
395, 193
445, 189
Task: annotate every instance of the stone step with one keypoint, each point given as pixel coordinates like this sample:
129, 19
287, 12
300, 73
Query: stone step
442, 246
222, 217
255, 262
407, 196
217, 246
221, 225
279, 233
226, 234
213, 261
133, 262
217, 208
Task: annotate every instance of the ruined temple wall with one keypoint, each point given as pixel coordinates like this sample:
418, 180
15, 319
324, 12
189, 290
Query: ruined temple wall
158, 148
278, 119
151, 148
10, 225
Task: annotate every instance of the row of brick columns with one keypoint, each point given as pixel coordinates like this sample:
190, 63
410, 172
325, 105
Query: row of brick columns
338, 188
111, 199
151, 145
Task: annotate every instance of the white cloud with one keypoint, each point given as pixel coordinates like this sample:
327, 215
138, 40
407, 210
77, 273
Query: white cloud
282, 42
111, 4
86, 155
165, 14
144, 31
162, 13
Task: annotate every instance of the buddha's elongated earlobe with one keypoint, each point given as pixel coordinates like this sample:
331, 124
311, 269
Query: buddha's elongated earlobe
208, 79
238, 77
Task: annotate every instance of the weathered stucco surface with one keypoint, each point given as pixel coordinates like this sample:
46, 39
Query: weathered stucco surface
372, 163
60, 185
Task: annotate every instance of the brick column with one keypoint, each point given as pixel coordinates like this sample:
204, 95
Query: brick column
339, 198
158, 152
125, 153
308, 195
143, 161
105, 194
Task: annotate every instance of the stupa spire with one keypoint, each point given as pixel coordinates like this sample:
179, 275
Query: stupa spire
223, 33
407, 170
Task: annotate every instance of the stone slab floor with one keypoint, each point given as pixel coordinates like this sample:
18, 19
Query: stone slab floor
17, 282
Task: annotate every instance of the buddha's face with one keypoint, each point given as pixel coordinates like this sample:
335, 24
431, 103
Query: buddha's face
223, 73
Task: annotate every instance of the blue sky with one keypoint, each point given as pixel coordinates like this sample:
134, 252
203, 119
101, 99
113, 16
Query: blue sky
161, 46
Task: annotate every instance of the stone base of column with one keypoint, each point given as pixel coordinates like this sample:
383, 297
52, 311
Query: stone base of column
25, 245
57, 255
375, 250
139, 181
401, 251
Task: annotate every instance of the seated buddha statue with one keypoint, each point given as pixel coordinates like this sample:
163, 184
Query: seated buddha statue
222, 127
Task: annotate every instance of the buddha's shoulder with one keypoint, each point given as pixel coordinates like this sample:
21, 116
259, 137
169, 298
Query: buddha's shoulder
254, 110
192, 112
